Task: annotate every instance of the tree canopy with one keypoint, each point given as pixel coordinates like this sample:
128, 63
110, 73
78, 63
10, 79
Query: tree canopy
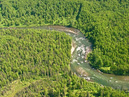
103, 22
28, 54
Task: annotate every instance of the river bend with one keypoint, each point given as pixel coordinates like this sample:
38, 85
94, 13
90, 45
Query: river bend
78, 63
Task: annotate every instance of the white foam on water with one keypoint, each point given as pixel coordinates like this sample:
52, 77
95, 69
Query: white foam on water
74, 60
82, 57
81, 61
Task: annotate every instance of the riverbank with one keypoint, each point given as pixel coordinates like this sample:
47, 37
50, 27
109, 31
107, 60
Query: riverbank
64, 29
88, 50
73, 47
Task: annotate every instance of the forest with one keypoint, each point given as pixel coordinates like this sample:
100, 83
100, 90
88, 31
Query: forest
43, 56
40, 59
103, 22
29, 53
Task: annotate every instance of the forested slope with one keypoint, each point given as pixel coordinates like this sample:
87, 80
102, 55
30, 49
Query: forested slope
44, 56
29, 53
104, 23
41, 58
70, 86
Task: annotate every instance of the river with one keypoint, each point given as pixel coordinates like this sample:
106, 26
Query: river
80, 66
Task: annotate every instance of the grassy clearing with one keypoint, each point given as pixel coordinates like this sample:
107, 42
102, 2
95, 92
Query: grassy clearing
17, 86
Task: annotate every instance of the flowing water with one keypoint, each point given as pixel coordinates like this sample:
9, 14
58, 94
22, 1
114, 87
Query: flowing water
81, 67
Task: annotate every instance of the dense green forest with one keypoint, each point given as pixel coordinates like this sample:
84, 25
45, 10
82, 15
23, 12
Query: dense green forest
103, 22
44, 56
26, 54
29, 53
70, 86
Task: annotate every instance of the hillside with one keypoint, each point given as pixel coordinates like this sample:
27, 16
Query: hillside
104, 23
35, 63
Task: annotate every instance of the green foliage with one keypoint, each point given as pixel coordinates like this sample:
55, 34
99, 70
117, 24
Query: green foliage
105, 69
104, 23
29, 53
71, 86
26, 54
105, 27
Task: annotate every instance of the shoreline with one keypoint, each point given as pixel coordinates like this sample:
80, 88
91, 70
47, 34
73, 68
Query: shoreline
88, 50
73, 47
